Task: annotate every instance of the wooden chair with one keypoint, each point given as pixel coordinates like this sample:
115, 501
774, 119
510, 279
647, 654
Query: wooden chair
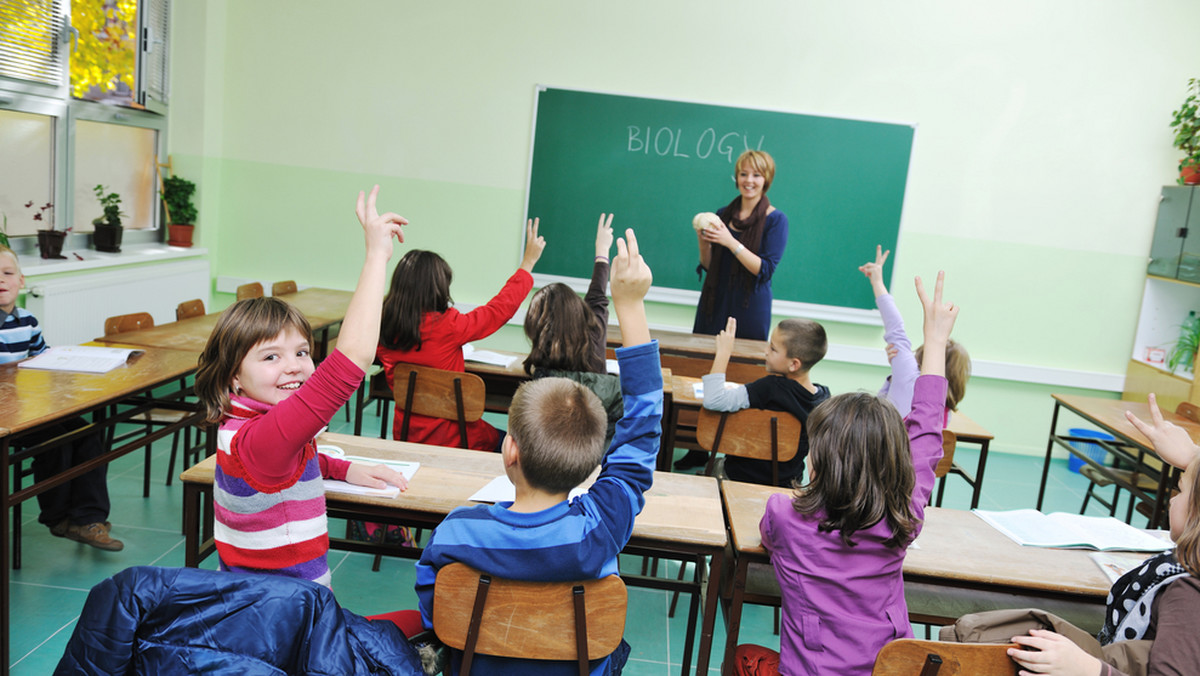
750, 433
949, 441
283, 288
251, 290
421, 390
189, 308
913, 657
479, 614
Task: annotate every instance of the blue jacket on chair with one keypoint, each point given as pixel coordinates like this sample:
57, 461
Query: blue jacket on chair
148, 620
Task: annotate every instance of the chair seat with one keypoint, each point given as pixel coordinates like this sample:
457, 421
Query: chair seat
1124, 476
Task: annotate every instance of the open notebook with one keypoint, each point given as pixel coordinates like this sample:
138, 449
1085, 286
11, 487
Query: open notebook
408, 469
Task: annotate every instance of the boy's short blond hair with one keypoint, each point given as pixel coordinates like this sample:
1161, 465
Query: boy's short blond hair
805, 340
558, 426
16, 259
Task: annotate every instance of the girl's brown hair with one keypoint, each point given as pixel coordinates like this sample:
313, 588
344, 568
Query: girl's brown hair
558, 325
861, 470
1187, 547
243, 325
420, 284
958, 371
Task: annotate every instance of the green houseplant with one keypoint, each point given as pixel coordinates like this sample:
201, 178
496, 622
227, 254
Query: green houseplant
1184, 352
181, 213
1186, 123
107, 236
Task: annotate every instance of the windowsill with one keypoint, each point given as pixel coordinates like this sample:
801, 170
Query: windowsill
90, 259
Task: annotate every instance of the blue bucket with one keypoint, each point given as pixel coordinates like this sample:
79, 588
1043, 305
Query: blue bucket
1093, 451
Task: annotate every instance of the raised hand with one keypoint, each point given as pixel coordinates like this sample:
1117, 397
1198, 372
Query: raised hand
630, 280
378, 229
724, 339
1172, 442
874, 271
939, 315
534, 245
604, 236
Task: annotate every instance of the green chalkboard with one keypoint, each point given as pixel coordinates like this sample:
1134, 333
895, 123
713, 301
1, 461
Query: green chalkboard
656, 163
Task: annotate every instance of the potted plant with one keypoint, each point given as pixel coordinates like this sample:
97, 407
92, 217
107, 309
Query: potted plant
108, 227
49, 241
1186, 123
181, 213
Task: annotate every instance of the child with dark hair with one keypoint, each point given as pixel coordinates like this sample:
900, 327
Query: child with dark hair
555, 440
569, 335
421, 327
838, 543
796, 345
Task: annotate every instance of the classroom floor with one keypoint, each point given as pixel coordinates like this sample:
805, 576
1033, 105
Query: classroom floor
50, 588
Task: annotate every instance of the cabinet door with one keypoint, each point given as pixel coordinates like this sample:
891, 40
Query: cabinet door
1166, 249
1189, 260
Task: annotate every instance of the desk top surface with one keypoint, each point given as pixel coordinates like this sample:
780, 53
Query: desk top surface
680, 508
31, 397
1110, 414
696, 345
954, 545
322, 308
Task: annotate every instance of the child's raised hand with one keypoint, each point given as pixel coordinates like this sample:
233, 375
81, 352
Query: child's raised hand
604, 236
874, 271
1052, 654
631, 277
375, 476
533, 245
378, 229
1172, 442
724, 339
939, 315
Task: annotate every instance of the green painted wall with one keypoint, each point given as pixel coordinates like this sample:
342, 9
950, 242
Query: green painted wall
1042, 142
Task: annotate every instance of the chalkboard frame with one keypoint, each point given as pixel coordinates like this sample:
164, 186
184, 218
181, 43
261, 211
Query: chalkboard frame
862, 313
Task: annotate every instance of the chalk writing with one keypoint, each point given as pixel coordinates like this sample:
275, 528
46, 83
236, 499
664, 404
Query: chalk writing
674, 142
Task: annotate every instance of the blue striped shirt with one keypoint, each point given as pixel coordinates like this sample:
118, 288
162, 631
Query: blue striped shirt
576, 540
20, 336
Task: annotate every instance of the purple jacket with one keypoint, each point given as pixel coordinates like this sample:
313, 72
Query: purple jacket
841, 605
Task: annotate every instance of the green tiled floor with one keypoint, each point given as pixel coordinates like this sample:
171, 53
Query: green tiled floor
50, 588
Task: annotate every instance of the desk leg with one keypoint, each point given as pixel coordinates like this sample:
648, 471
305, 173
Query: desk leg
1049, 447
191, 524
733, 621
666, 451
4, 575
977, 489
693, 611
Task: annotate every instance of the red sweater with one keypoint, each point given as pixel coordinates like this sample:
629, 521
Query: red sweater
442, 336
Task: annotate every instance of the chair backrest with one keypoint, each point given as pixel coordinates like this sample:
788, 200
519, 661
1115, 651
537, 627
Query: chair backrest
751, 433
1187, 409
913, 657
283, 288
477, 613
251, 290
451, 395
949, 441
189, 308
131, 322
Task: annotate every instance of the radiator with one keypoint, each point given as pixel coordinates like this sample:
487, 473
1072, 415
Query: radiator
72, 310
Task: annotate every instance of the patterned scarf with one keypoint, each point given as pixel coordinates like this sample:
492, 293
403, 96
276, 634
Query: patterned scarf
1127, 615
751, 231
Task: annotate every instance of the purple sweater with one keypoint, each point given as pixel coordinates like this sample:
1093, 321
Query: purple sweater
841, 605
898, 388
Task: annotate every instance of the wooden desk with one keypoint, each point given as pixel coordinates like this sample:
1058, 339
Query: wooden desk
1130, 447
682, 519
691, 354
32, 399
968, 431
324, 309
958, 565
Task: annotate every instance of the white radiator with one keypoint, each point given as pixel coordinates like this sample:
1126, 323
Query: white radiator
72, 310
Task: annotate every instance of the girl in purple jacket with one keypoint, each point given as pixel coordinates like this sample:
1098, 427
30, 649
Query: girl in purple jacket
838, 543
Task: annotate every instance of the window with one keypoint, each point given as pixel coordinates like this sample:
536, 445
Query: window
83, 95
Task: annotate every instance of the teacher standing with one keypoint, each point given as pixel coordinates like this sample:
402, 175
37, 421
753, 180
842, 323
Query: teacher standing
740, 246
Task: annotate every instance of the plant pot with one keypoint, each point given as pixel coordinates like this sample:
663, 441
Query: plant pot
50, 243
180, 234
107, 237
1189, 174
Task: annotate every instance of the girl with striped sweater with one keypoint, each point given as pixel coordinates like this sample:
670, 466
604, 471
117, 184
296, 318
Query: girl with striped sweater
256, 379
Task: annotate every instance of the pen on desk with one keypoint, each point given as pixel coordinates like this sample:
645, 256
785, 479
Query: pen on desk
77, 256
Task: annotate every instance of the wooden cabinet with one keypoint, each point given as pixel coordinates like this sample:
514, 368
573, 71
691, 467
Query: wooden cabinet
1172, 291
